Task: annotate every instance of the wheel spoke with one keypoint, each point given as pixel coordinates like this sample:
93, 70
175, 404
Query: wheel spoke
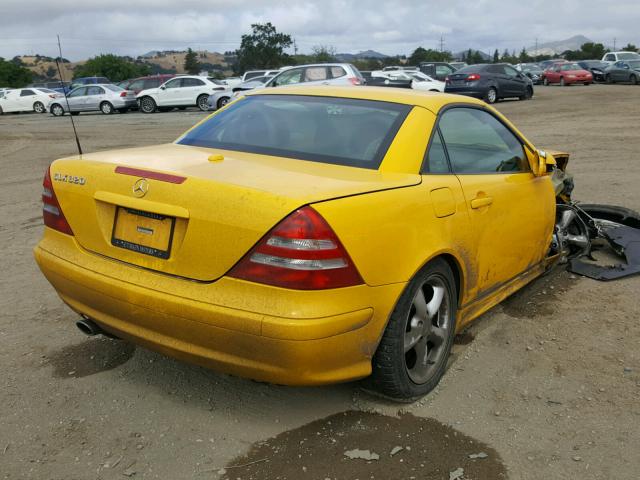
434, 304
411, 338
420, 302
422, 352
437, 335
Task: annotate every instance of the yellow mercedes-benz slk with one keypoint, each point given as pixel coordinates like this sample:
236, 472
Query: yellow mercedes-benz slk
304, 235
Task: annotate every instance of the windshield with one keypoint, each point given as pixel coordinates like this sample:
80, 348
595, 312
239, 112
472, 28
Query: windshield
340, 131
531, 68
628, 56
570, 66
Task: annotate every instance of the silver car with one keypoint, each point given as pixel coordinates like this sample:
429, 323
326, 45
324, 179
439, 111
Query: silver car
318, 74
220, 99
106, 98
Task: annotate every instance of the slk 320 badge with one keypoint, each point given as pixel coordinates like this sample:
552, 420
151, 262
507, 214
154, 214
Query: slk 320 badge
61, 177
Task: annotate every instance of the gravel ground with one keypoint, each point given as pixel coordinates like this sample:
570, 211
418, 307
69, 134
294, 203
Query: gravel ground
547, 384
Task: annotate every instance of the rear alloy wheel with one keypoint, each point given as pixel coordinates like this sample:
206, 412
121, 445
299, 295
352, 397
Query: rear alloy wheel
106, 108
528, 94
57, 110
491, 96
38, 107
148, 105
633, 79
203, 102
223, 101
415, 347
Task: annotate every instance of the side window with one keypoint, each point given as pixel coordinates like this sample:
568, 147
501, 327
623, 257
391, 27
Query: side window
512, 72
78, 92
192, 82
610, 57
436, 156
175, 83
494, 69
337, 72
95, 91
315, 74
150, 83
477, 142
27, 93
443, 70
290, 76
137, 85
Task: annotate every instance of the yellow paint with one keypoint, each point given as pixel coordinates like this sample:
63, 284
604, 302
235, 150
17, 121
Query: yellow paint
494, 229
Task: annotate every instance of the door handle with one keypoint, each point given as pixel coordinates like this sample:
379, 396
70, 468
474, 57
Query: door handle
480, 202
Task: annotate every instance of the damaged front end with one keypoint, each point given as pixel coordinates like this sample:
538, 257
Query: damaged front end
584, 229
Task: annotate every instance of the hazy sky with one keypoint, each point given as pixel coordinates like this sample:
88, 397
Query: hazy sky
134, 27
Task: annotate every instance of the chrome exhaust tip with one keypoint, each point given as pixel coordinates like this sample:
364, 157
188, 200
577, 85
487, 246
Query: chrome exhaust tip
88, 326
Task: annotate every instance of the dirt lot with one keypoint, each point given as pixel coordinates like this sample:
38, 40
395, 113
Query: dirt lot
547, 385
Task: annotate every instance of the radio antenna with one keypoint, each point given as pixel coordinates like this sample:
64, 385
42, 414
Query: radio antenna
73, 124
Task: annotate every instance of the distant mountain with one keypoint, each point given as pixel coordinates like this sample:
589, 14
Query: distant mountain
349, 57
553, 48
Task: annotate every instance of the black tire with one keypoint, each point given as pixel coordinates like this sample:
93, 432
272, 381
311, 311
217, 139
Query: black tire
1, 111
491, 96
223, 101
56, 110
39, 107
123, 110
75, 114
182, 108
203, 102
106, 108
633, 79
397, 374
528, 95
148, 105
613, 213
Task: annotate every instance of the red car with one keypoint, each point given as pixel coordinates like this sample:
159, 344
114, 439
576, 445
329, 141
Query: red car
566, 74
144, 83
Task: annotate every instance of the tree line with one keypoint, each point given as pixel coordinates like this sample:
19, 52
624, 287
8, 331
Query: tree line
266, 48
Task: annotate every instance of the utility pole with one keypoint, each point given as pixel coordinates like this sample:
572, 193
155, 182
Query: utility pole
295, 47
441, 43
614, 44
536, 50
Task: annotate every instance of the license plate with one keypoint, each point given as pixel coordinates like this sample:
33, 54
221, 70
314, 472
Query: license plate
143, 232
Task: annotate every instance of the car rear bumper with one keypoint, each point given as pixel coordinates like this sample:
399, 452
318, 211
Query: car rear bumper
470, 92
298, 348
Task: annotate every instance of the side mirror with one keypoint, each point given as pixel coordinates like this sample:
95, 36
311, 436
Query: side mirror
539, 160
163, 87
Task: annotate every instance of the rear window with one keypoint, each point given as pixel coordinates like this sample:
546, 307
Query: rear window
340, 131
114, 88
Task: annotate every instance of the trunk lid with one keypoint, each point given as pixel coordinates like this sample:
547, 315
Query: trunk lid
198, 214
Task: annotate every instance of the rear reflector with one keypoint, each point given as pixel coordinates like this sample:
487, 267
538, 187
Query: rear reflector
51, 211
302, 252
163, 177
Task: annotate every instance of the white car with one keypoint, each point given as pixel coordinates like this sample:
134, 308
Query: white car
613, 57
27, 100
179, 92
419, 80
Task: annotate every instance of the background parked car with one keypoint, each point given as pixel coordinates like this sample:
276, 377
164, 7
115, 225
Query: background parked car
418, 80
567, 73
623, 71
231, 81
548, 63
78, 82
251, 74
27, 100
459, 65
106, 98
318, 74
490, 82
60, 87
531, 70
437, 70
179, 92
144, 83
596, 67
613, 57
220, 99
384, 81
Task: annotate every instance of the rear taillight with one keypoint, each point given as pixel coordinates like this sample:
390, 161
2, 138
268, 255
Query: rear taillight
51, 211
123, 94
355, 81
473, 77
446, 80
302, 252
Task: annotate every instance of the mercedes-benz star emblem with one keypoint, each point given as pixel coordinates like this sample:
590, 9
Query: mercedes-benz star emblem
140, 188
